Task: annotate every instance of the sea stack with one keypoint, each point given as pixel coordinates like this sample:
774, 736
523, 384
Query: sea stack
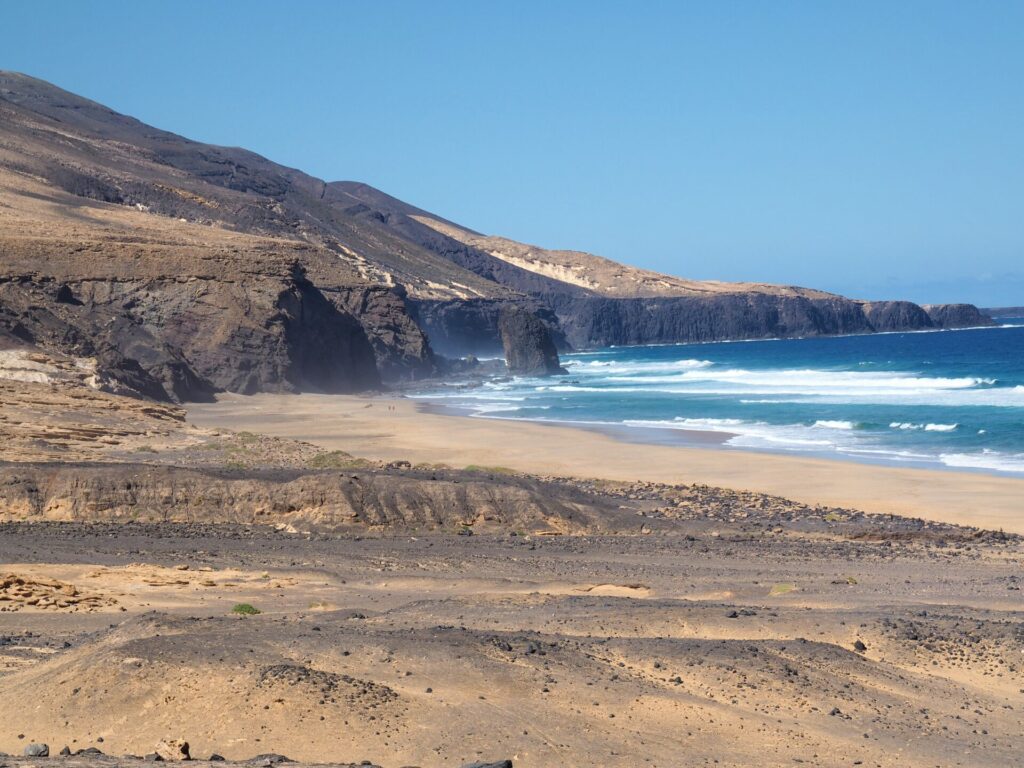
529, 349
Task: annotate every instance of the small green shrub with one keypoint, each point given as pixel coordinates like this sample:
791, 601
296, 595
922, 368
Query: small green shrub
244, 609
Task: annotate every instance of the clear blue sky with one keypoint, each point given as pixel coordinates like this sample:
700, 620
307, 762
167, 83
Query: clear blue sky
876, 149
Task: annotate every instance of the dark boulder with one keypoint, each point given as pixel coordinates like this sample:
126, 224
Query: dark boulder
529, 348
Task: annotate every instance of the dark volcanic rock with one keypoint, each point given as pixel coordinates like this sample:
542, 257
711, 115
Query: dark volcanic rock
529, 348
589, 322
170, 338
896, 316
957, 316
399, 344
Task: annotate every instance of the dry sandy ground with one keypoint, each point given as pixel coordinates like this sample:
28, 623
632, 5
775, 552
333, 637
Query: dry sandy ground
394, 428
701, 628
712, 648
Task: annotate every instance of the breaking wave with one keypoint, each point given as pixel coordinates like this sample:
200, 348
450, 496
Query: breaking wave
987, 459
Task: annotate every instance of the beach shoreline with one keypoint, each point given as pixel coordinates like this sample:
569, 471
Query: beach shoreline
391, 428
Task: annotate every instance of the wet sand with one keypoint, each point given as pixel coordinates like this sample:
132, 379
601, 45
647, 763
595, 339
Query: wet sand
392, 428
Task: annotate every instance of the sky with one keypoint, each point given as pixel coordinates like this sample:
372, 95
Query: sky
875, 149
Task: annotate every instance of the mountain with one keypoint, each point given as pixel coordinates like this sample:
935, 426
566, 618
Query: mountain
182, 269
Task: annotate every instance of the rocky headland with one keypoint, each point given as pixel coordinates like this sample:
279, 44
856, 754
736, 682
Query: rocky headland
184, 269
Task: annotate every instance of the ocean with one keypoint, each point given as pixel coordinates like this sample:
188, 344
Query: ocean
944, 399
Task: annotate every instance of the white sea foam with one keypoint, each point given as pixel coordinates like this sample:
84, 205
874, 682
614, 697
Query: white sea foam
809, 381
747, 434
830, 424
683, 423
472, 394
992, 460
615, 366
485, 408
700, 377
890, 454
907, 425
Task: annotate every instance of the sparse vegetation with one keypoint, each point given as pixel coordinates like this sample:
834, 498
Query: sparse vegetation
781, 589
485, 470
245, 609
337, 460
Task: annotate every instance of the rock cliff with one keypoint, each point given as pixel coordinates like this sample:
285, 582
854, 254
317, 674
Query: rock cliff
184, 269
956, 316
580, 322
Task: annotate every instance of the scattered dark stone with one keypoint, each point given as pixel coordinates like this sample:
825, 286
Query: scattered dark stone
859, 646
215, 758
36, 750
152, 757
66, 751
732, 615
499, 764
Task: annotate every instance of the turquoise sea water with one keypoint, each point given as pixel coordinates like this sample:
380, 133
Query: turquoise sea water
948, 399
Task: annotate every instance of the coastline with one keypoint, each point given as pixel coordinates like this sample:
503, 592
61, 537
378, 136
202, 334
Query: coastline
392, 428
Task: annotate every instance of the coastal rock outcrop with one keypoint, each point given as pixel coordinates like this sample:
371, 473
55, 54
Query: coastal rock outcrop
580, 322
183, 337
896, 316
529, 348
186, 268
957, 316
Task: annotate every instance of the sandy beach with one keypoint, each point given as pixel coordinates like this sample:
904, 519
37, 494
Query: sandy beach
254, 595
394, 428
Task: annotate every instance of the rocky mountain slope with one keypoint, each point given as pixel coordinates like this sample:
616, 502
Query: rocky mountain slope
183, 269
